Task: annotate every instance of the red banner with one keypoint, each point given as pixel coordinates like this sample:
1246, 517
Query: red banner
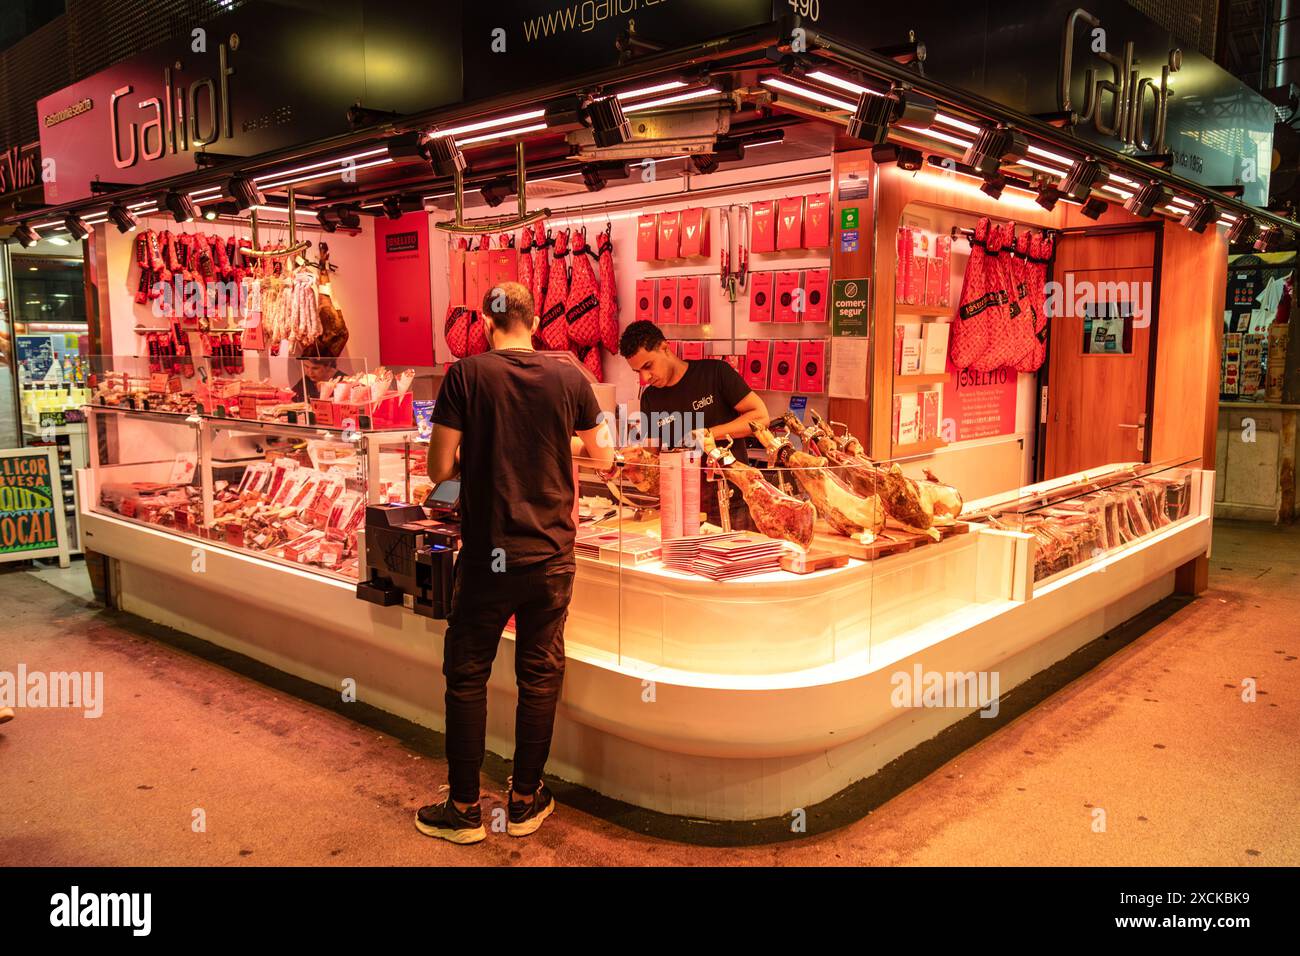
405, 299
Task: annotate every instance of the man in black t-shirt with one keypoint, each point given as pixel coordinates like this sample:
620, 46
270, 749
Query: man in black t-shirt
505, 421
681, 399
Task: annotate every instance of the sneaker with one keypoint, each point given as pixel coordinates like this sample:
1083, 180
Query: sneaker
526, 817
446, 822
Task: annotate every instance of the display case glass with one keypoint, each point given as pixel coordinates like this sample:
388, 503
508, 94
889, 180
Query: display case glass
286, 492
1079, 519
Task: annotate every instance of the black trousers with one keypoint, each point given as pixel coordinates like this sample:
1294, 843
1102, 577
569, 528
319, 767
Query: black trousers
481, 604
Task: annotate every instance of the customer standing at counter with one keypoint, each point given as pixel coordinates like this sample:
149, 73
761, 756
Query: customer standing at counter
504, 421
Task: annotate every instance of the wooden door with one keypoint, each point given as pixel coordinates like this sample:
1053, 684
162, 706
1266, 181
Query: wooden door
1098, 402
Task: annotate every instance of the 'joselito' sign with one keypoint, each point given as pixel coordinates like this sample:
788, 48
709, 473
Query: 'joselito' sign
265, 77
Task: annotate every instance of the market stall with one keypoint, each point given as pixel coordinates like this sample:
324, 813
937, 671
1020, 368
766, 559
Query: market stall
950, 484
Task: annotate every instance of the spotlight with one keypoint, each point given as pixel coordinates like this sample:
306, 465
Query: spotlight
245, 192
906, 157
328, 220
26, 235
1242, 231
1273, 238
705, 162
77, 226
495, 192
121, 217
993, 185
875, 113
181, 207
1146, 199
609, 127
406, 146
392, 207
1199, 218
594, 179
210, 214
993, 146
1048, 196
1084, 176
1093, 208
445, 155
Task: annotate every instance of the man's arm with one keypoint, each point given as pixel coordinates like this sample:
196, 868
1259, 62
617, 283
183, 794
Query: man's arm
751, 408
597, 444
444, 454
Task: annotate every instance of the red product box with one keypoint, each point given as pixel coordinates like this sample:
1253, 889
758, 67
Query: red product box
935, 279
789, 226
695, 232
916, 281
393, 411
762, 226
456, 278
645, 300
477, 277
666, 302
903, 252
899, 335
812, 367
758, 355
760, 296
669, 235
503, 266
930, 418
816, 286
787, 298
785, 361
324, 411
647, 238
693, 350
817, 221
735, 361
693, 300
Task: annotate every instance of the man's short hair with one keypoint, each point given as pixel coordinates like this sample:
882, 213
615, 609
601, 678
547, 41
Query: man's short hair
640, 335
509, 305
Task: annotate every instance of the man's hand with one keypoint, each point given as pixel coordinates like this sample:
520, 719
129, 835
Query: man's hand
444, 454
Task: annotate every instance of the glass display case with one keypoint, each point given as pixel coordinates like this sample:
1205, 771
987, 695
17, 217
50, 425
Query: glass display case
1082, 518
290, 493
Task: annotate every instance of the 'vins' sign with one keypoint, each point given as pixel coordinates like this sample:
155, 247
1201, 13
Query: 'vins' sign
184, 117
1129, 107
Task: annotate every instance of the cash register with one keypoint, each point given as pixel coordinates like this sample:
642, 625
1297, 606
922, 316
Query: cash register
411, 551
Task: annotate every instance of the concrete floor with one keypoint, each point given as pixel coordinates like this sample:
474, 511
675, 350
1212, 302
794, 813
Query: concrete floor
1148, 726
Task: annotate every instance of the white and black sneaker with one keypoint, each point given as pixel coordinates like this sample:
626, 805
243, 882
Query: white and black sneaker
526, 816
446, 822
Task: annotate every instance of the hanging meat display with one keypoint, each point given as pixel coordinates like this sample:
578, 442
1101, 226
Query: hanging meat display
608, 312
582, 305
554, 329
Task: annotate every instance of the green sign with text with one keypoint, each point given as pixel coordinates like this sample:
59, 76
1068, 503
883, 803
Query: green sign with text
850, 306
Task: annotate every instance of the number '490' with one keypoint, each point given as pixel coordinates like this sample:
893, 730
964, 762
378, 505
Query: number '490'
806, 8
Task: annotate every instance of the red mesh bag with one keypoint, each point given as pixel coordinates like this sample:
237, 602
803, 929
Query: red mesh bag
978, 306
478, 342
1011, 333
582, 305
554, 329
1029, 250
590, 357
526, 262
456, 329
541, 267
608, 316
